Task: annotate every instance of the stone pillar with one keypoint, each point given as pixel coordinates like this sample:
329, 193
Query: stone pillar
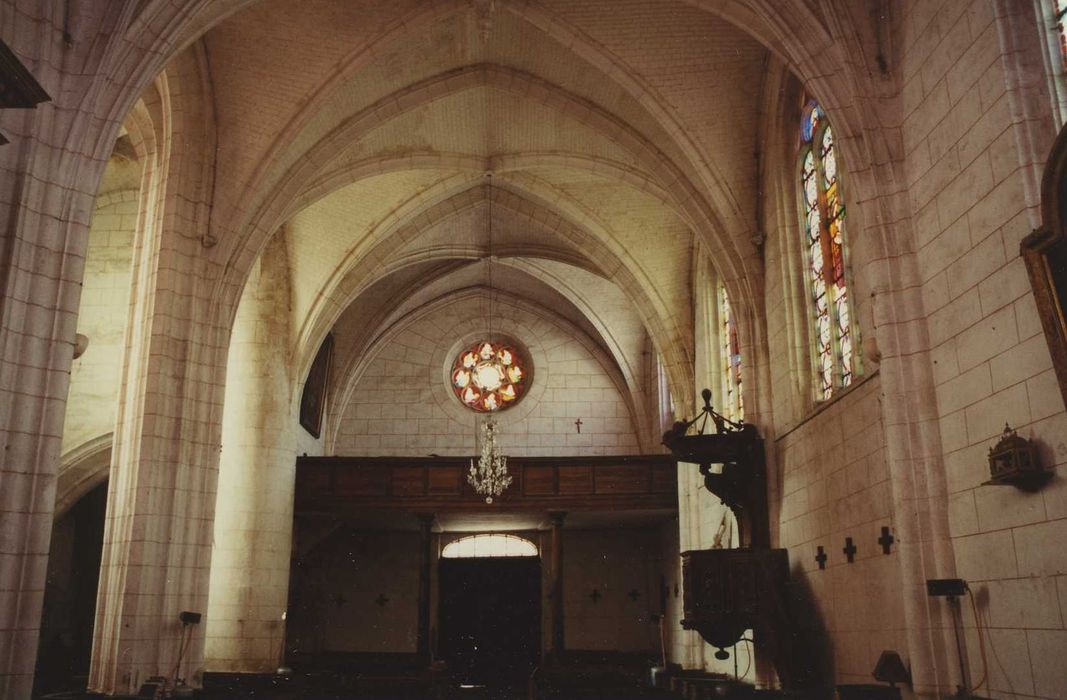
556, 564
161, 497
249, 582
47, 186
157, 541
425, 577
48, 182
164, 467
36, 337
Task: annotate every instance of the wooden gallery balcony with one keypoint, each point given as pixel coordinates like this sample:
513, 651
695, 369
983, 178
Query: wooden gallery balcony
340, 485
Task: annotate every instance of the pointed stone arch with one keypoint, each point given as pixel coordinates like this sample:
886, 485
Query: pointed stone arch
357, 272
356, 371
266, 217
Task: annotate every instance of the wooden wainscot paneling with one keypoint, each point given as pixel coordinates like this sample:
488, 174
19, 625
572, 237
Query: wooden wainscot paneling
664, 479
361, 482
539, 481
445, 481
315, 479
409, 481
625, 479
339, 484
575, 481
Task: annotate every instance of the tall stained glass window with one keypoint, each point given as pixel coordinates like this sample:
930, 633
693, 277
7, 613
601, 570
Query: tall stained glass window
823, 213
1052, 16
1060, 9
730, 349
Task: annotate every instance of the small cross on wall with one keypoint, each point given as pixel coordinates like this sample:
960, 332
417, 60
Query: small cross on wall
849, 550
886, 540
634, 595
578, 425
381, 600
595, 595
820, 557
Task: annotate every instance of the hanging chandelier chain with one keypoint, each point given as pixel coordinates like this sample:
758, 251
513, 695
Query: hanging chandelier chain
489, 197
489, 475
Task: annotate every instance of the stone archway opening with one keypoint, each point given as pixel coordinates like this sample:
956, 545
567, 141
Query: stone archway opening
70, 595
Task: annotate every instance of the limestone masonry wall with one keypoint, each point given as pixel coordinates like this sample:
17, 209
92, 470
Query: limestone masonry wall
835, 484
401, 404
96, 375
973, 88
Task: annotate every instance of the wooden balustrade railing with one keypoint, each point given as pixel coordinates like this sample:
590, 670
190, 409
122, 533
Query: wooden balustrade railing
337, 484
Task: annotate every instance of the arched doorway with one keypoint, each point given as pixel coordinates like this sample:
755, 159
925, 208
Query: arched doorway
490, 607
70, 595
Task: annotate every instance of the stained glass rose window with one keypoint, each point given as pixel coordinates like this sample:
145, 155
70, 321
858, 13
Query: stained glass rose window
489, 376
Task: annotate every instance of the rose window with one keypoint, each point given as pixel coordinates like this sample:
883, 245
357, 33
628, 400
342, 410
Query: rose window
488, 376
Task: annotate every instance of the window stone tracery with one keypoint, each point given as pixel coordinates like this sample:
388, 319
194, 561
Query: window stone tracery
822, 211
488, 376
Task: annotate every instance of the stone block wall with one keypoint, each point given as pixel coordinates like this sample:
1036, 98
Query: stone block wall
623, 567
974, 100
835, 485
401, 404
253, 527
337, 590
105, 306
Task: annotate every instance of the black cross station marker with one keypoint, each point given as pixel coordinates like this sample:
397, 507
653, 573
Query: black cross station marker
849, 550
634, 595
821, 557
886, 540
595, 595
381, 600
578, 425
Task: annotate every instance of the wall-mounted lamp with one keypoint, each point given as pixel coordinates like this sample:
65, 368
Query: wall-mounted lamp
1014, 461
189, 618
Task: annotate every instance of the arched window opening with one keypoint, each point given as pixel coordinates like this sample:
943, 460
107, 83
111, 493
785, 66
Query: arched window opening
1060, 9
730, 362
823, 214
663, 391
490, 545
1053, 19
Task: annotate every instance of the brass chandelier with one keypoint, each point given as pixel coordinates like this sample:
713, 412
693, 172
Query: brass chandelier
489, 476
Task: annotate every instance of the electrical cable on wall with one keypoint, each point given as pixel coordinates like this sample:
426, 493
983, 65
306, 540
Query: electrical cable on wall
981, 640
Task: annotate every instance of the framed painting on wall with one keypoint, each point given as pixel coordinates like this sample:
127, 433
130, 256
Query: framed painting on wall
1045, 253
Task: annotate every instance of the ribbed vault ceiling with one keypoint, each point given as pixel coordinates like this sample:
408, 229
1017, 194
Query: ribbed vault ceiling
618, 134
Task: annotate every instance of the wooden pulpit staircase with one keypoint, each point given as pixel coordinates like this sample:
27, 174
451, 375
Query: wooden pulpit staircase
729, 591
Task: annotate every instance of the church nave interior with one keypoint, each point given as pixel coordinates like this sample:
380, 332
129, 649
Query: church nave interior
533, 348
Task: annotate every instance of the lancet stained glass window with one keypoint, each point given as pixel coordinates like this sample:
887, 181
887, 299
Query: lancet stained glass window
1061, 10
489, 376
823, 214
730, 347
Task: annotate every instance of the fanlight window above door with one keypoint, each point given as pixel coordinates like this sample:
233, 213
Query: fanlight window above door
477, 546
